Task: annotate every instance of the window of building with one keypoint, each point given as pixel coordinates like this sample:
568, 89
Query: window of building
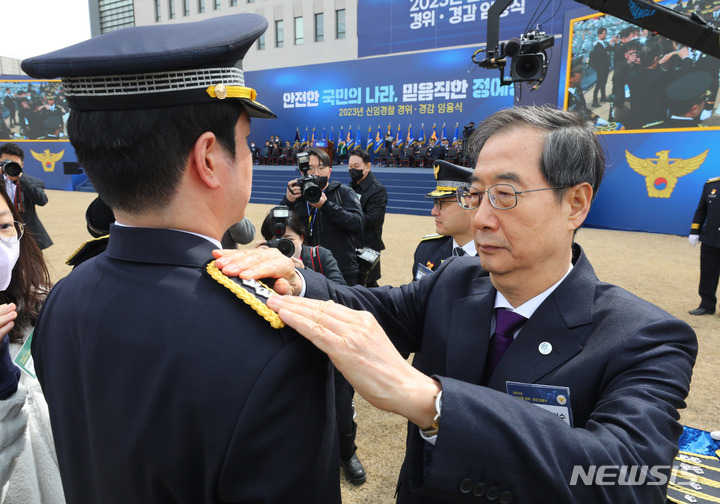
261, 42
186, 7
171, 9
340, 23
299, 31
319, 27
250, 1
158, 18
201, 6
217, 5
279, 33
233, 3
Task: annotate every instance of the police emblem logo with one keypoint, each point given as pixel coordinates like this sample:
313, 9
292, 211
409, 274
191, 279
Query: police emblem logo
47, 158
662, 173
251, 292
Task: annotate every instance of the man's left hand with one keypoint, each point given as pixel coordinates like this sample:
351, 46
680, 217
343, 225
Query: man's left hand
320, 202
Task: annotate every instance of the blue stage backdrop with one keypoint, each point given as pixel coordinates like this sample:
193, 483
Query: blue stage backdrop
412, 92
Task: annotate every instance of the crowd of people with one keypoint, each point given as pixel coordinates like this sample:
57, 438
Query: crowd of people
410, 152
185, 378
642, 80
33, 111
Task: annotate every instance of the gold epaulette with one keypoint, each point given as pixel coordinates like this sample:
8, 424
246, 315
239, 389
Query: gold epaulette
432, 237
714, 179
87, 250
251, 292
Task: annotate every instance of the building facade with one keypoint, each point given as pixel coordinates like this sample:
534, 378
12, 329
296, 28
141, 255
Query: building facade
301, 32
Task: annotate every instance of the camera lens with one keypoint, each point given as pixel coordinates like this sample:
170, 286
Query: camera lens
311, 193
285, 246
12, 169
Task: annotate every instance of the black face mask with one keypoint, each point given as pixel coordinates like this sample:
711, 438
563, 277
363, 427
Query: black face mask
322, 182
356, 174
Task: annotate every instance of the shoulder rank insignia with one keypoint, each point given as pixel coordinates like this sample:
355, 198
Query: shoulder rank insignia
87, 250
251, 292
714, 179
432, 237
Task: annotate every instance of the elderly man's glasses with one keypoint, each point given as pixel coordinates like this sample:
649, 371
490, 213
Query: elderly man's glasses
11, 232
502, 196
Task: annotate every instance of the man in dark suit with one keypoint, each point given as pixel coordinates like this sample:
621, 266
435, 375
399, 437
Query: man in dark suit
600, 62
152, 399
536, 384
25, 191
706, 229
453, 225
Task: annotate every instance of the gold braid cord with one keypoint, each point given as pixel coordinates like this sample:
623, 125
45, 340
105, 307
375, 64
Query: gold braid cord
248, 297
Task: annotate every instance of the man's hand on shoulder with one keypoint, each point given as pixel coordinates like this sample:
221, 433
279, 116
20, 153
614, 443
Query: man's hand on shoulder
259, 263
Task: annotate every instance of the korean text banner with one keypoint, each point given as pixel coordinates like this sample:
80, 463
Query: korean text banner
436, 88
393, 26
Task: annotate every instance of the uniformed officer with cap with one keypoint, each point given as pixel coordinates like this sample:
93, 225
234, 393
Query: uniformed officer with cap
165, 380
686, 101
706, 229
453, 225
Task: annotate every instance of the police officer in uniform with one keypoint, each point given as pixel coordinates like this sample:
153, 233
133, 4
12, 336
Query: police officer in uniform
453, 225
706, 229
165, 380
687, 97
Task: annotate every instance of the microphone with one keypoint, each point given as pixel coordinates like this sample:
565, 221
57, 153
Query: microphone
512, 48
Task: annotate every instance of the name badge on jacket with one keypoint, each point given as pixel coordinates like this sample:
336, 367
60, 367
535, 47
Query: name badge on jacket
551, 398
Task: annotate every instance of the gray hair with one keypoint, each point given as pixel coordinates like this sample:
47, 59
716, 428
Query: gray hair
571, 154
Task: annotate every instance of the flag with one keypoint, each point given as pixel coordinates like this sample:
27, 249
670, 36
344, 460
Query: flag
341, 136
456, 135
358, 139
349, 141
369, 144
323, 137
379, 140
312, 141
297, 136
444, 134
410, 137
399, 141
304, 142
421, 138
332, 136
434, 136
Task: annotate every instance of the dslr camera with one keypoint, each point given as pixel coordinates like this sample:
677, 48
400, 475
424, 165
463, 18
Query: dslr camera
10, 168
309, 184
279, 217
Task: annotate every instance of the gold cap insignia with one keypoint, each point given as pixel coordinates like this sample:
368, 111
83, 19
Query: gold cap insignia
220, 91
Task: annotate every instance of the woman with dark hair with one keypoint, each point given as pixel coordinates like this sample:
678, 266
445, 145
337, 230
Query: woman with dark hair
315, 258
28, 464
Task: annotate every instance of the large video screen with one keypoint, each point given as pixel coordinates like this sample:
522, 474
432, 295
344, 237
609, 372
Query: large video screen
32, 110
623, 77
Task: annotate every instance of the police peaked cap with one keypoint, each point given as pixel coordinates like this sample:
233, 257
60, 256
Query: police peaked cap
449, 177
157, 66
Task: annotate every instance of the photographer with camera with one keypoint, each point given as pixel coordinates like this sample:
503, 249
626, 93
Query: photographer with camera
26, 194
283, 230
335, 220
332, 210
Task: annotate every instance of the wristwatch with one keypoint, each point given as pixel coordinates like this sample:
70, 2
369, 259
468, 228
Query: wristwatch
435, 427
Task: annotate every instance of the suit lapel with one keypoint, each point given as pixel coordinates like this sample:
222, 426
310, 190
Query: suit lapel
469, 333
560, 321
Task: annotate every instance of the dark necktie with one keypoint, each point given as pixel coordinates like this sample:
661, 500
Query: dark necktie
458, 251
506, 323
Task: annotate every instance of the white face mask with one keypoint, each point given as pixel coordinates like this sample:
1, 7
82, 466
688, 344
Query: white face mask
9, 253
